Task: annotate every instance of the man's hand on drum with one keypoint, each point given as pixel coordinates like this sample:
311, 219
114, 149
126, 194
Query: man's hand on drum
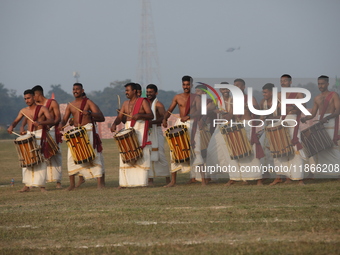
113, 128
324, 120
22, 131
185, 118
165, 123
36, 123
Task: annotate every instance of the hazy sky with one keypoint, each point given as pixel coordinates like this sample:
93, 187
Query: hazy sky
44, 41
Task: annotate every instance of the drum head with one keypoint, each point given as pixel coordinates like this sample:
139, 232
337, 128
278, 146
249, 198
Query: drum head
24, 139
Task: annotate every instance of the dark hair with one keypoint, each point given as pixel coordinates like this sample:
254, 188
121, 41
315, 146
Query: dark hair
28, 91
152, 86
187, 78
132, 85
240, 80
286, 76
38, 88
324, 77
78, 84
268, 86
138, 86
224, 82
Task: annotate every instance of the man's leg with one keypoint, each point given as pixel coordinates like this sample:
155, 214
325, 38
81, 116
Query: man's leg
173, 180
72, 183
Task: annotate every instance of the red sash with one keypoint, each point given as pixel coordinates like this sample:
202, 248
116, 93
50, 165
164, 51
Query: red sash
295, 140
136, 108
336, 136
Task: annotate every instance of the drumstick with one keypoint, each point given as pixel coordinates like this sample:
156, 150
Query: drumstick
65, 126
15, 133
118, 98
75, 107
124, 114
170, 112
27, 116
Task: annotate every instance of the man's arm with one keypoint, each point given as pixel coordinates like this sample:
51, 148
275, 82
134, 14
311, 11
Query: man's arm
56, 112
94, 112
169, 111
120, 116
15, 122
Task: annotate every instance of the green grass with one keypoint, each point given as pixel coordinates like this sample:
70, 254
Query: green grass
284, 219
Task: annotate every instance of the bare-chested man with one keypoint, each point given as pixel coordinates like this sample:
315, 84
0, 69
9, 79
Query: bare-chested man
190, 111
54, 164
159, 164
34, 176
293, 161
327, 103
85, 113
253, 159
138, 114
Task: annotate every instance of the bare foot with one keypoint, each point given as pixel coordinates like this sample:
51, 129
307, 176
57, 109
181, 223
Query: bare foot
245, 183
259, 183
80, 181
167, 180
42, 189
276, 181
24, 189
70, 188
192, 180
229, 183
301, 182
288, 181
120, 187
171, 184
59, 185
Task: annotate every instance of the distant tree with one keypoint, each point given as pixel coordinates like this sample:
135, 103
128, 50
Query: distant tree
60, 95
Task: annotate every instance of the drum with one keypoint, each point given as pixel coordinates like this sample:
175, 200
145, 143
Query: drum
179, 143
237, 141
280, 141
79, 144
315, 139
128, 145
205, 137
28, 151
52, 147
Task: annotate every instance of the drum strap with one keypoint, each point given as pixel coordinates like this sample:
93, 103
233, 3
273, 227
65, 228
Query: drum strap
295, 140
138, 105
336, 137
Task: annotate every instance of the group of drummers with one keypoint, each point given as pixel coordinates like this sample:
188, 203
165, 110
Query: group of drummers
197, 144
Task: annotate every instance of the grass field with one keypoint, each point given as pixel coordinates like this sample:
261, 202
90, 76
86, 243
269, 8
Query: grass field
241, 219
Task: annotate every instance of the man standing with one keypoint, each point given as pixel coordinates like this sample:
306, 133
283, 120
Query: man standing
85, 113
138, 112
190, 111
328, 105
54, 164
159, 166
289, 164
254, 158
39, 118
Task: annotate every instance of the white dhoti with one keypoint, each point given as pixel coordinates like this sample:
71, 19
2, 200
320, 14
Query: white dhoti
134, 175
35, 176
290, 166
159, 166
218, 156
247, 168
196, 160
54, 164
268, 160
92, 169
328, 159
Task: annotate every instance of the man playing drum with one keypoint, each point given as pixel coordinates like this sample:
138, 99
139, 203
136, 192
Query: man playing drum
54, 164
159, 166
138, 112
328, 105
290, 165
85, 113
254, 158
190, 111
39, 117
217, 152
